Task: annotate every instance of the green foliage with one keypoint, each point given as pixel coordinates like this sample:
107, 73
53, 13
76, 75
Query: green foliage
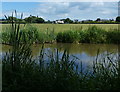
93, 35
34, 19
67, 37
118, 19
28, 33
113, 36
68, 20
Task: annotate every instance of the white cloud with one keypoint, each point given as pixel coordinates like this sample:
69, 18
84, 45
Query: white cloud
52, 10
97, 4
74, 10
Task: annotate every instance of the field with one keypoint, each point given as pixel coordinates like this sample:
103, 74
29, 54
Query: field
63, 27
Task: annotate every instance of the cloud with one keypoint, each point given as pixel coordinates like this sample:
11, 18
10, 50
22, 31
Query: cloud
77, 10
53, 8
73, 10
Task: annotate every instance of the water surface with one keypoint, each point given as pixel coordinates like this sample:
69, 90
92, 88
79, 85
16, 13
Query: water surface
86, 53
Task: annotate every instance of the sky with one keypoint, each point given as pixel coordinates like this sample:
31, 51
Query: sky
62, 10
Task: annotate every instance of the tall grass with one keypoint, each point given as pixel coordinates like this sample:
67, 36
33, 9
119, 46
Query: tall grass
67, 37
28, 32
113, 36
91, 35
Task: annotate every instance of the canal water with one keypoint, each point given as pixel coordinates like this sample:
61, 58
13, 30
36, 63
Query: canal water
85, 53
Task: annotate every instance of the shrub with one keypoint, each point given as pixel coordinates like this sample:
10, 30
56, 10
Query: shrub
93, 35
113, 36
67, 37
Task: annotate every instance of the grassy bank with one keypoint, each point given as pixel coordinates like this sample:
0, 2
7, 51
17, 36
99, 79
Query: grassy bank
90, 34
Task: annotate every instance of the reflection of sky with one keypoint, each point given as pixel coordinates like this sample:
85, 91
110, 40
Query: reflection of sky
85, 59
82, 54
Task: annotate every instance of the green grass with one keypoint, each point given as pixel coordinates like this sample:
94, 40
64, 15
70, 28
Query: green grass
64, 27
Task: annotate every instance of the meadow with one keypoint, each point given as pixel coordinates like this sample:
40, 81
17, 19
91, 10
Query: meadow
64, 27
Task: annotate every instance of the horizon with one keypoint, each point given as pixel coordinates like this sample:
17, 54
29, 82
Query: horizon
62, 10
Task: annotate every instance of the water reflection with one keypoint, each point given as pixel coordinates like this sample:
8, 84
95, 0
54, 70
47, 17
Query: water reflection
85, 52
88, 49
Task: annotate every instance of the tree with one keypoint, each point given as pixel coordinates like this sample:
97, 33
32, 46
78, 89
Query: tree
68, 20
28, 19
118, 19
48, 21
40, 20
76, 21
98, 19
34, 19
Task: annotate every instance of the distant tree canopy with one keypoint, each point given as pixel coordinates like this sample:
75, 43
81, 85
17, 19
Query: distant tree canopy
98, 19
118, 19
34, 19
67, 20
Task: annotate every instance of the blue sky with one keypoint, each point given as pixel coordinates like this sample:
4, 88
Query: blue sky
59, 10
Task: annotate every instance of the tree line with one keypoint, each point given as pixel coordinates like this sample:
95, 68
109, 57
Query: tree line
36, 19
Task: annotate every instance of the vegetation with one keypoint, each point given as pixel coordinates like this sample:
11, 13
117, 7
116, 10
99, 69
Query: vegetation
68, 21
67, 37
73, 34
36, 19
28, 32
118, 19
65, 27
23, 73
